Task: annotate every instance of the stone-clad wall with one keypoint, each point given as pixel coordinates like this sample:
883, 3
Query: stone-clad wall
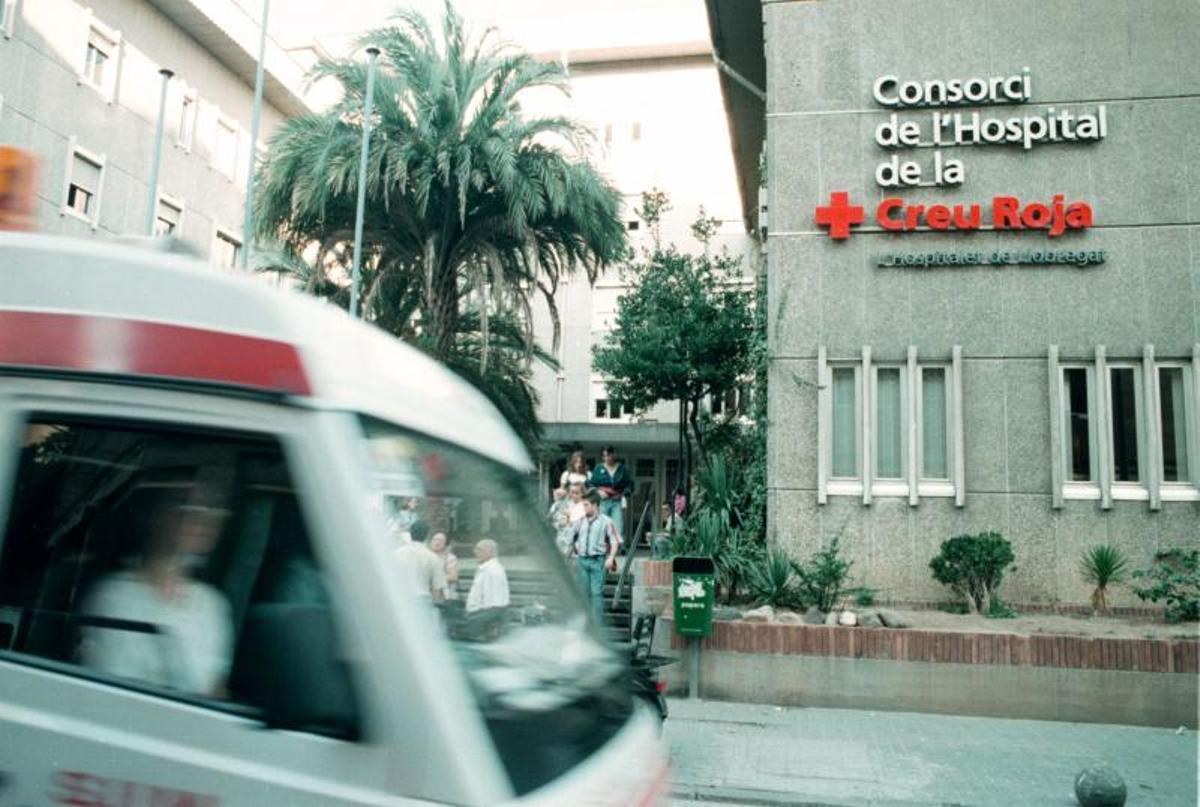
1139, 60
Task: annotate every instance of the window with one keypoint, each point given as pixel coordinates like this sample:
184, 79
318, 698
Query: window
1077, 424
227, 250
934, 424
8, 17
633, 224
548, 690
1173, 424
105, 513
168, 217
186, 123
608, 134
1124, 410
85, 177
225, 148
846, 425
889, 423
100, 60
636, 132
897, 420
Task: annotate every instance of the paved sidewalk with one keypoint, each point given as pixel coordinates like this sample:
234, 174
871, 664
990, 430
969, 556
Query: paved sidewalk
732, 753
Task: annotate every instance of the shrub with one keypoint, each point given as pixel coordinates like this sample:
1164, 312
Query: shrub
1174, 578
822, 581
973, 566
864, 597
999, 609
1103, 566
772, 581
735, 553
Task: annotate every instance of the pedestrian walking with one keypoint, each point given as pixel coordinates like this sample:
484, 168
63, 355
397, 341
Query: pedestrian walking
595, 541
439, 544
611, 480
560, 519
577, 472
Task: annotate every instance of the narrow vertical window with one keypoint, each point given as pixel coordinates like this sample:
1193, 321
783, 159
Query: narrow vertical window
187, 121
1123, 406
83, 189
1077, 413
889, 424
227, 251
8, 17
1173, 422
934, 464
166, 219
845, 423
100, 50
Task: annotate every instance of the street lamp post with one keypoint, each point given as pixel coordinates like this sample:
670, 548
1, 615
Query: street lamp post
356, 275
152, 193
255, 118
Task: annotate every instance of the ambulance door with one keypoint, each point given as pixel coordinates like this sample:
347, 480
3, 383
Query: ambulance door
167, 633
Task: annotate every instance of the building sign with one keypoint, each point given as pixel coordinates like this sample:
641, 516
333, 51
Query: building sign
1004, 213
941, 128
939, 123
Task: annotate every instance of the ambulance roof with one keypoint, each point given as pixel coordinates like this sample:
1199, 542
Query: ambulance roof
102, 308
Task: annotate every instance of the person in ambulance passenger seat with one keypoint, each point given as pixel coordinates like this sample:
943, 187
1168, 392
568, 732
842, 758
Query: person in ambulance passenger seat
193, 646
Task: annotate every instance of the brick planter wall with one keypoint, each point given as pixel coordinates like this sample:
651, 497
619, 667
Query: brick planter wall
1075, 652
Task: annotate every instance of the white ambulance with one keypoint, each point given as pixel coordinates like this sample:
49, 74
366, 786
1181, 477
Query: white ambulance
201, 601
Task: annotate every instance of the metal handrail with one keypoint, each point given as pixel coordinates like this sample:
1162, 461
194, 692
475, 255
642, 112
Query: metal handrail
637, 536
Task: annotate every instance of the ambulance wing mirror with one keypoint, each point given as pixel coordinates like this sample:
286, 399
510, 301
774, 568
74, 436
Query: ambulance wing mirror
288, 664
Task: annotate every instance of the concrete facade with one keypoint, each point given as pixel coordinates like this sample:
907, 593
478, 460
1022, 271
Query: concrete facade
997, 330
50, 105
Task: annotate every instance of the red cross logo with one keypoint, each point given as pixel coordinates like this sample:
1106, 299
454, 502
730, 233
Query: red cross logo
839, 214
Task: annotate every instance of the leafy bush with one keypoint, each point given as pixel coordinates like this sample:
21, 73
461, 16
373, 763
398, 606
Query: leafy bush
772, 581
864, 597
999, 609
822, 581
1103, 565
973, 566
1174, 578
735, 553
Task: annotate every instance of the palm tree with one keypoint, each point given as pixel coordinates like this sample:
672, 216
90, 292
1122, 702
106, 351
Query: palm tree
470, 204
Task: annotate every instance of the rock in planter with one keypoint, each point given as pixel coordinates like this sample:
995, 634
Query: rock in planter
870, 619
847, 619
892, 619
763, 614
1099, 785
785, 617
831, 618
726, 613
814, 616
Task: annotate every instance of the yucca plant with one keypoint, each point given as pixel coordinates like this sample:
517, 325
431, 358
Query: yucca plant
1103, 565
772, 581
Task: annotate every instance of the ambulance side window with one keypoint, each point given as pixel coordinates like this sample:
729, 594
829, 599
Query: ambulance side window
174, 561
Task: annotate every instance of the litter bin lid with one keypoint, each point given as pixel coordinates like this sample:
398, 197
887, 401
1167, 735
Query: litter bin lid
693, 565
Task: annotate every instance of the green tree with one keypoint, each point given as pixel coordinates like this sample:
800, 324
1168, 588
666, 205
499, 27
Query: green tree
683, 332
471, 204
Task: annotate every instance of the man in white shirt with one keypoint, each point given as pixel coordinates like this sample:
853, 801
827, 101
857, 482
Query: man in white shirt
489, 588
426, 568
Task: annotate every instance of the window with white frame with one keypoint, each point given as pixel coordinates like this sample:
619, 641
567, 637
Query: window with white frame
100, 59
84, 182
606, 408
8, 17
1124, 422
1176, 411
168, 216
1127, 430
846, 423
933, 425
888, 393
1078, 424
225, 148
227, 249
185, 124
895, 419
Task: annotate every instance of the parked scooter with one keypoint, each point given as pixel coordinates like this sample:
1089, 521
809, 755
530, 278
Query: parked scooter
644, 666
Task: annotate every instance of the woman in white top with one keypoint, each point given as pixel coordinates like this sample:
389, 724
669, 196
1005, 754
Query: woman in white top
191, 648
577, 472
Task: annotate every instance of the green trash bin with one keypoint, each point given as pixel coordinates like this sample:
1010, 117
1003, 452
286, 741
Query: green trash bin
692, 587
